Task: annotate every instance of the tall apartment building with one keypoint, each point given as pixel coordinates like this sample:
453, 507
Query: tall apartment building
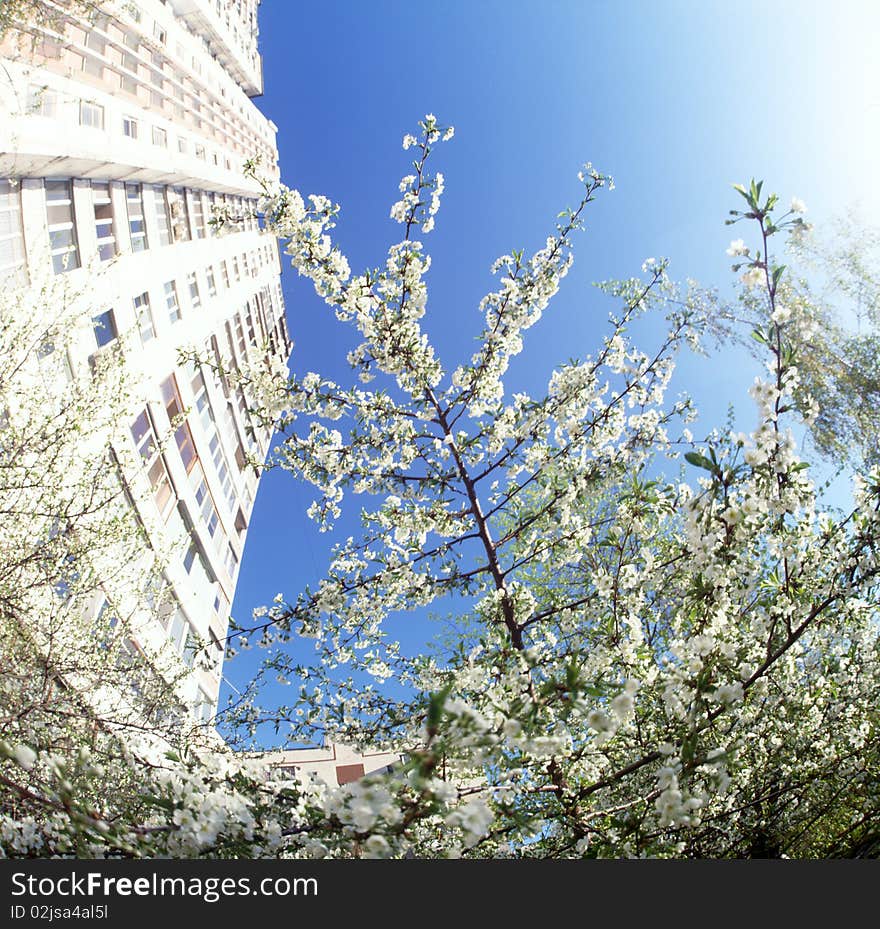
120, 132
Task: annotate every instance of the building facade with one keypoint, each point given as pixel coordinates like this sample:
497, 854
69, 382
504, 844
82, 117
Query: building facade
333, 763
123, 132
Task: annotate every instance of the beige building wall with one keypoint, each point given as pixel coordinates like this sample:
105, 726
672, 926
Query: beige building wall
334, 764
118, 139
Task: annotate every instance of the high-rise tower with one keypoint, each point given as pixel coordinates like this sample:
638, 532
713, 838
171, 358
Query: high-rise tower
123, 126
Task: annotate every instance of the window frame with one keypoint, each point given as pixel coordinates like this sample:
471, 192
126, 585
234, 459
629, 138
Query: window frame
138, 236
163, 215
143, 313
175, 409
13, 240
107, 239
95, 119
105, 334
174, 314
195, 294
60, 262
153, 461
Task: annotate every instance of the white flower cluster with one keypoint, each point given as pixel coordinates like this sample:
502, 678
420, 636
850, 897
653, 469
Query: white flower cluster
673, 807
473, 818
363, 806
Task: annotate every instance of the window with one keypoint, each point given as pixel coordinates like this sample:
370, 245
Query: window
231, 560
160, 34
198, 214
67, 577
237, 212
200, 152
129, 127
103, 206
178, 629
239, 332
144, 317
212, 203
181, 146
208, 510
204, 707
211, 432
91, 114
136, 227
224, 267
216, 653
212, 285
175, 410
189, 559
62, 229
171, 301
160, 137
104, 325
106, 621
45, 350
11, 236
249, 319
43, 102
194, 297
163, 215
94, 67
179, 219
95, 41
190, 648
144, 437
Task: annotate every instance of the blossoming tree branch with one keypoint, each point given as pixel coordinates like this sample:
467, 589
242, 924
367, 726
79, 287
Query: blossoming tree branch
651, 645
645, 664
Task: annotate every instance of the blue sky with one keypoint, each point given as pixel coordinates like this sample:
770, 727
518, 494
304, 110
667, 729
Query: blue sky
678, 100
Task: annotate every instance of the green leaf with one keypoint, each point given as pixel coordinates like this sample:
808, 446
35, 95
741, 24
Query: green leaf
699, 461
777, 274
745, 194
162, 803
435, 707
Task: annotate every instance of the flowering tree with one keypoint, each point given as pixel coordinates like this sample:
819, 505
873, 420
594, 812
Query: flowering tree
28, 17
94, 743
836, 298
644, 665
634, 662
